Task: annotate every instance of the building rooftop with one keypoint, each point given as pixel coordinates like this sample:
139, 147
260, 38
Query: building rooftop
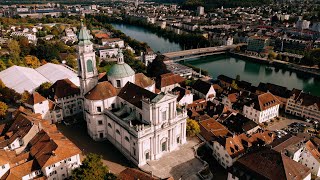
103, 90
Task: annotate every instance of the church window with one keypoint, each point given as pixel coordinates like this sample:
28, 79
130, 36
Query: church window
100, 122
126, 138
164, 115
118, 132
89, 66
118, 83
147, 155
164, 146
99, 109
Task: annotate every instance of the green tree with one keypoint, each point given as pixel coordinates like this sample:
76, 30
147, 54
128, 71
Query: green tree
14, 49
91, 168
3, 109
25, 96
71, 60
238, 77
2, 65
44, 88
193, 127
157, 67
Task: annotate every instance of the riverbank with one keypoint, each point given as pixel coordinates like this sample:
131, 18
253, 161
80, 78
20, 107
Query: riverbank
279, 64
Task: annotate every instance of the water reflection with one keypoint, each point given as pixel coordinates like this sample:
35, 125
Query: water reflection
252, 68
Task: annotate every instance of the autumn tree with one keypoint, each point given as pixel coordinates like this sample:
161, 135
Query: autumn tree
24, 46
32, 61
14, 49
193, 127
25, 96
3, 109
92, 168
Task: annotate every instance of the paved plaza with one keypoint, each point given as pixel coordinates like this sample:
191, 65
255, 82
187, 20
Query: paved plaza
77, 133
283, 123
178, 164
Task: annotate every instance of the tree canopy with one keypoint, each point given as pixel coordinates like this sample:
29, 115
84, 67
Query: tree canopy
92, 168
157, 67
3, 109
43, 89
193, 127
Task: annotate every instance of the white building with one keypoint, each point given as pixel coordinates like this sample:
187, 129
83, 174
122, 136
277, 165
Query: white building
148, 56
47, 108
141, 124
40, 152
303, 105
302, 24
67, 96
262, 108
200, 10
311, 158
31, 37
204, 90
108, 53
113, 42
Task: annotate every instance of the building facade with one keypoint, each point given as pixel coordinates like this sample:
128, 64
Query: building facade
141, 124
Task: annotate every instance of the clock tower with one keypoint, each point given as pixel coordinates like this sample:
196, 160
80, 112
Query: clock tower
87, 69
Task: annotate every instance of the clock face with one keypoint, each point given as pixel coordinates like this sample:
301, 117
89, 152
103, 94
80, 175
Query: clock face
89, 65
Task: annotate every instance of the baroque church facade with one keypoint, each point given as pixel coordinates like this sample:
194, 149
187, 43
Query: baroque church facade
123, 108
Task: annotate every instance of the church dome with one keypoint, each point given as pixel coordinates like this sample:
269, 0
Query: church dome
120, 71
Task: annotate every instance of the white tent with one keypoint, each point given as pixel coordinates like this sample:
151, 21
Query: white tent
54, 72
22, 78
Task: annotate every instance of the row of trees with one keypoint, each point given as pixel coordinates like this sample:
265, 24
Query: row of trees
23, 53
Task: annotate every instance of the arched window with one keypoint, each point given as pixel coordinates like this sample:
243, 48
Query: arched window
118, 132
109, 125
126, 138
89, 66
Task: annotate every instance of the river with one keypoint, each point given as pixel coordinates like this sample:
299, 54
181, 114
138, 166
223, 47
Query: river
229, 66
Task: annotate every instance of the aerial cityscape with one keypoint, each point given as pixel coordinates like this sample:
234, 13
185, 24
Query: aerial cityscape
160, 90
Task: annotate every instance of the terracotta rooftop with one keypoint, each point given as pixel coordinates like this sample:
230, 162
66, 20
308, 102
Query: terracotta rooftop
265, 163
143, 81
63, 88
214, 127
102, 90
135, 174
35, 98
264, 101
313, 150
169, 79
21, 170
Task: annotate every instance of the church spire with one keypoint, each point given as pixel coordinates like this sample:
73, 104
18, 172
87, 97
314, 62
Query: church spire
120, 59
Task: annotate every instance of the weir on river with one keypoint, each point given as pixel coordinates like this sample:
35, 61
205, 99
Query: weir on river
229, 66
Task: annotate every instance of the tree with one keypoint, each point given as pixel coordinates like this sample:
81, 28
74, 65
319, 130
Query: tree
71, 61
234, 85
193, 127
25, 96
43, 89
3, 109
32, 61
2, 65
92, 168
24, 46
2, 85
55, 61
157, 67
238, 77
14, 49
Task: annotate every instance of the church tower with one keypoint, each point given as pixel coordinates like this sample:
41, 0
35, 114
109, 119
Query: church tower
87, 69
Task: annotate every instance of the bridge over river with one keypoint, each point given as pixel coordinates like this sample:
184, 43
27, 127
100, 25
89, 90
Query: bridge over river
194, 53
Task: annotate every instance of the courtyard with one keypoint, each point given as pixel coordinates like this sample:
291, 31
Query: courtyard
179, 164
77, 133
